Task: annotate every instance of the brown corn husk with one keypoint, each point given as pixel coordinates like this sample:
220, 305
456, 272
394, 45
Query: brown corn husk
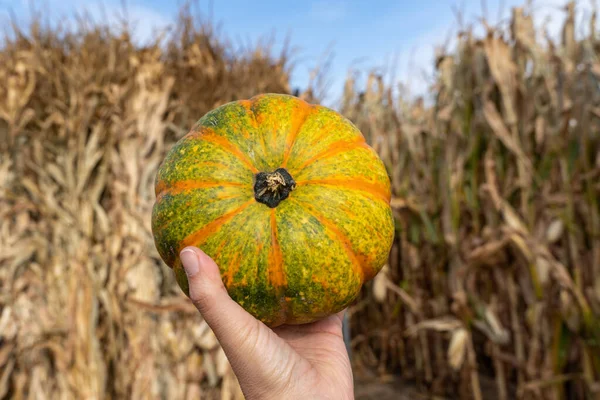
504, 238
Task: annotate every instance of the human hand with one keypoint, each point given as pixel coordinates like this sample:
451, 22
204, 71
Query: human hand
289, 362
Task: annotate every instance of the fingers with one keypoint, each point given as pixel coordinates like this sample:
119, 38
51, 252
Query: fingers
253, 350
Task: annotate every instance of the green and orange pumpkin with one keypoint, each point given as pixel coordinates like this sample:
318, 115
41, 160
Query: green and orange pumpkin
286, 197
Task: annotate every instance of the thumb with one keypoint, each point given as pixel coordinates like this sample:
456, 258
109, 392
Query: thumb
209, 295
255, 352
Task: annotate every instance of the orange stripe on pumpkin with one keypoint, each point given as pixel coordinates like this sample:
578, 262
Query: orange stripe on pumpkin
336, 148
161, 184
276, 275
316, 139
297, 123
358, 262
374, 189
210, 136
199, 237
232, 269
247, 105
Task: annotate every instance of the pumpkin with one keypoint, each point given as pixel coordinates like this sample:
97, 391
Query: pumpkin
286, 197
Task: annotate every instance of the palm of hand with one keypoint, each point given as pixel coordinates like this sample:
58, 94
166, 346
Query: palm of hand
321, 356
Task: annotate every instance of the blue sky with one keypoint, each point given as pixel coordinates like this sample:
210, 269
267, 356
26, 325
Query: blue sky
399, 35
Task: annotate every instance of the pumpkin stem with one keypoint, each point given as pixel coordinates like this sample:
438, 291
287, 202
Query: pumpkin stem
271, 188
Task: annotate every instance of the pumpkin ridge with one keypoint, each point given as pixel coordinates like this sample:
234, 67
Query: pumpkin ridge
198, 237
313, 142
167, 223
360, 185
371, 230
336, 148
208, 135
317, 138
346, 244
161, 183
247, 105
307, 110
191, 184
277, 276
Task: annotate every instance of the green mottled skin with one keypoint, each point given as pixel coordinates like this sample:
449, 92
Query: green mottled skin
307, 257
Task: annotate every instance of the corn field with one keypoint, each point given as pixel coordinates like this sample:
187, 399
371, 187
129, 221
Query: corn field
492, 289
496, 266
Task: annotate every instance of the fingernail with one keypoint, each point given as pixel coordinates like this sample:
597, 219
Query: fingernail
190, 262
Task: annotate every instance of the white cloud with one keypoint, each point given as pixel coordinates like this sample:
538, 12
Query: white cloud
416, 59
551, 14
146, 20
416, 63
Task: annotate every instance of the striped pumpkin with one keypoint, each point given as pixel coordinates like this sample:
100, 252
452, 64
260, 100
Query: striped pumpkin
286, 197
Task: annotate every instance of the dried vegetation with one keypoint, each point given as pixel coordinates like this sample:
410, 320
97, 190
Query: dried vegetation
87, 309
496, 267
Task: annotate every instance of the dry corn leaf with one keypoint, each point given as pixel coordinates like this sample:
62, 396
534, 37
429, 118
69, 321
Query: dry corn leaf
4, 378
457, 348
503, 70
210, 369
499, 128
439, 324
555, 231
222, 363
380, 285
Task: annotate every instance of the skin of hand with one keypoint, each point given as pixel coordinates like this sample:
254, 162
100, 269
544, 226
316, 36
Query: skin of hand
289, 362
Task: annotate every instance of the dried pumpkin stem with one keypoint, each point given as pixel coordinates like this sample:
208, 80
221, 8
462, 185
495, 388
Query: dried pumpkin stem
270, 188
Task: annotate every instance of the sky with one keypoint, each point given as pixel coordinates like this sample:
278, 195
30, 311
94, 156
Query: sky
397, 38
